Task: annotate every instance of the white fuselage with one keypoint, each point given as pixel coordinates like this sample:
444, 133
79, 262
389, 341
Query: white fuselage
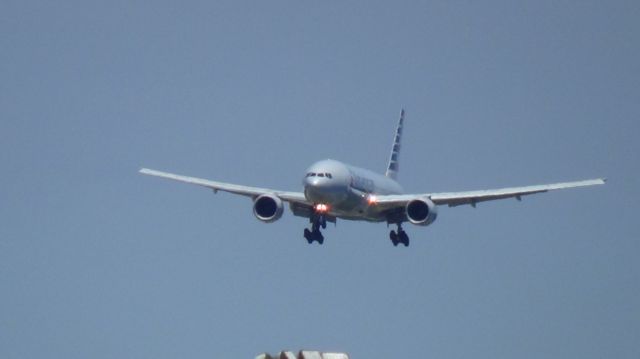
347, 191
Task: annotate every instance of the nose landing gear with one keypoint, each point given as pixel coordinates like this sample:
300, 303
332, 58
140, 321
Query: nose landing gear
399, 237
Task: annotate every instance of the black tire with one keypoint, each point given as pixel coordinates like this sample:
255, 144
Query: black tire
394, 238
317, 236
308, 236
404, 238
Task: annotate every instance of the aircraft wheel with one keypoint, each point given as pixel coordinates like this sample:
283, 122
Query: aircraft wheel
403, 238
321, 222
318, 237
394, 238
308, 235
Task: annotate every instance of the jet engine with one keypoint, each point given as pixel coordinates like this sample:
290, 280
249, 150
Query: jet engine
268, 208
421, 212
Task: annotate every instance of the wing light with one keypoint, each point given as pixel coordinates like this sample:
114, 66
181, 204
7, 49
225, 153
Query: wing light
372, 200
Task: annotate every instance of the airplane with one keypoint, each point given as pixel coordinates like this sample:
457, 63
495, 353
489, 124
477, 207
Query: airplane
335, 190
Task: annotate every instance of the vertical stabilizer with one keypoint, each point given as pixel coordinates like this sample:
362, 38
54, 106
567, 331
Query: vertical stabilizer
392, 168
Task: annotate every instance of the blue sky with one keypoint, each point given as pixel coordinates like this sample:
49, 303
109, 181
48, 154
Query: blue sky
98, 261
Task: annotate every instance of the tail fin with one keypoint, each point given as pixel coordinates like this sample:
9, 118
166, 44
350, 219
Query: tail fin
392, 168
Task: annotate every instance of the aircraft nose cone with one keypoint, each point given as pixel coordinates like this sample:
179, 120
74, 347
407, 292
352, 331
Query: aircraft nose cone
318, 190
318, 182
312, 181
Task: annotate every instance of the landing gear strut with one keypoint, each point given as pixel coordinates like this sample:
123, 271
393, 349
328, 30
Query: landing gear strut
314, 234
399, 237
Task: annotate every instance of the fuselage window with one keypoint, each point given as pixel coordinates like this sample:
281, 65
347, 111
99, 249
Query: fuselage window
320, 174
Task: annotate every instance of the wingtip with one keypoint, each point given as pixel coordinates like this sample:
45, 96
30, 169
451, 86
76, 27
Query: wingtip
596, 181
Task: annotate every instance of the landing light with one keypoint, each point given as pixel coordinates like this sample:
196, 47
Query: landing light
320, 207
372, 200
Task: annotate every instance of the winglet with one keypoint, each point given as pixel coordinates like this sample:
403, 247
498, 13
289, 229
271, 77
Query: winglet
393, 166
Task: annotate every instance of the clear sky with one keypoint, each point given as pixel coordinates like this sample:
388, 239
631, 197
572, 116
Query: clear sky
97, 261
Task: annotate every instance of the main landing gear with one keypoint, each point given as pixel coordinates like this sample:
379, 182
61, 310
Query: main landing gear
314, 234
399, 237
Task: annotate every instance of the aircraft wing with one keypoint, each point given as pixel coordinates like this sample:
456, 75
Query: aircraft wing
296, 197
472, 197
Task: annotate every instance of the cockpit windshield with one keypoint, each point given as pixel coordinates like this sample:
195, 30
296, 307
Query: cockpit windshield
313, 174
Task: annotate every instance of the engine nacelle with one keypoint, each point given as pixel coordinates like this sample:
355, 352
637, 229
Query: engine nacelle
268, 208
421, 212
